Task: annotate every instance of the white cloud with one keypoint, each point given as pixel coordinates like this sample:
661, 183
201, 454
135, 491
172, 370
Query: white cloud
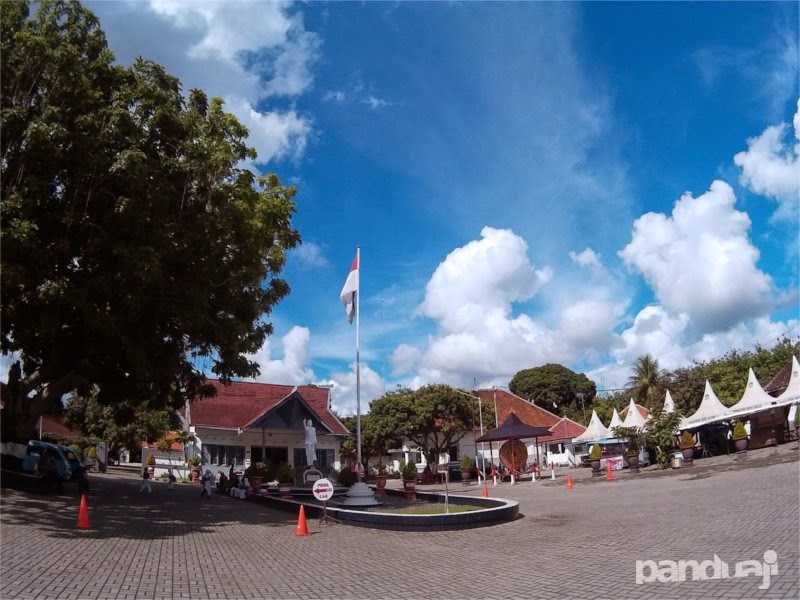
403, 359
700, 261
337, 96
244, 52
375, 103
343, 389
293, 368
310, 255
771, 167
587, 258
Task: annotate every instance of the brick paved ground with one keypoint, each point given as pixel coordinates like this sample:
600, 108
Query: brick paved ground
582, 543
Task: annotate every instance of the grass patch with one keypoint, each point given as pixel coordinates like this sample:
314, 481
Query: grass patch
431, 509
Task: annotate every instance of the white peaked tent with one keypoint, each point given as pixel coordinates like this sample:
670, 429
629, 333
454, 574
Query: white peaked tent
595, 431
669, 404
634, 418
615, 422
792, 392
754, 399
709, 411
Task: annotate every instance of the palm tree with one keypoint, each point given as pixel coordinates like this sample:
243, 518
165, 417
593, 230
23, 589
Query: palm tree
646, 381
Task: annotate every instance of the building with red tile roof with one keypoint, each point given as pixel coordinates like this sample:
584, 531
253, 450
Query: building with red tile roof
248, 422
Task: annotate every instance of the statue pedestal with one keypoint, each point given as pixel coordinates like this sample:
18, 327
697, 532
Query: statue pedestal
360, 494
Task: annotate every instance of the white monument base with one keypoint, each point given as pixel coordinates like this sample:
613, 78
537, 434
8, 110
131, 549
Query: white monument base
360, 494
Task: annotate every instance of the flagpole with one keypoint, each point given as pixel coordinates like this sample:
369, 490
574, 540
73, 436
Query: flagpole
358, 365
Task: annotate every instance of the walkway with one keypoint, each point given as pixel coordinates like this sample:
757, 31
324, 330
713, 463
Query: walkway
582, 543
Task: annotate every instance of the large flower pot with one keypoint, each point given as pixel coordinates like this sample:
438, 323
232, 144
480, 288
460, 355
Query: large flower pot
195, 475
596, 468
741, 445
688, 456
285, 490
465, 476
255, 483
380, 485
633, 463
410, 488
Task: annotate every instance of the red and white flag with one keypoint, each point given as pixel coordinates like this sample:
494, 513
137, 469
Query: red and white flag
349, 291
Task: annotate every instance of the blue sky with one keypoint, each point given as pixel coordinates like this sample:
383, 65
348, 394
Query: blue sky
578, 183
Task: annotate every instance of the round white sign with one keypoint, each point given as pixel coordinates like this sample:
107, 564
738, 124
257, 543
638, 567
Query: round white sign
322, 490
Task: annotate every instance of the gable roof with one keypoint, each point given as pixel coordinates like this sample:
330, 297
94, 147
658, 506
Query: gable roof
513, 429
507, 403
565, 429
595, 431
241, 403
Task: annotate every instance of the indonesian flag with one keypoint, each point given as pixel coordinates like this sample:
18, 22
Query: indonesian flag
349, 291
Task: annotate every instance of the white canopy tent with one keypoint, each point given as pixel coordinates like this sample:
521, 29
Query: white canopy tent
669, 403
616, 421
634, 418
595, 431
791, 394
755, 399
710, 410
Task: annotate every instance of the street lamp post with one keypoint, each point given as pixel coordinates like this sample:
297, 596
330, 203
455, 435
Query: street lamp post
581, 396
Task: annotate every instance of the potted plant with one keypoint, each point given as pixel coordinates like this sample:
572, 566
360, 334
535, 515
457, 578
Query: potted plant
256, 473
595, 454
467, 466
151, 464
380, 479
194, 463
633, 456
687, 448
285, 476
740, 438
409, 472
91, 456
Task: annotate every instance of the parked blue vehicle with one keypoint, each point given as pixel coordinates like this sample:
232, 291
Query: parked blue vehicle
38, 451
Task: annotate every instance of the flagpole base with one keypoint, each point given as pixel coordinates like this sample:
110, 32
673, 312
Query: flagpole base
360, 494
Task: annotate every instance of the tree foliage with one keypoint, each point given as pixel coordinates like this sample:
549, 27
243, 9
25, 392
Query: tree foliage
435, 417
555, 388
132, 239
647, 381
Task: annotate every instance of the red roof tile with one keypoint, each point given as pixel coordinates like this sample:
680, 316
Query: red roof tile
240, 403
506, 402
565, 429
56, 425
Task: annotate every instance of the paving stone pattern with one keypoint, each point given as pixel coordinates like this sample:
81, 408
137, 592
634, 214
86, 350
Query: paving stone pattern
582, 543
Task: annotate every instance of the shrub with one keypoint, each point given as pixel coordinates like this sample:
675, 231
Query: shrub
687, 440
410, 472
596, 453
739, 432
284, 473
151, 459
91, 453
77, 450
258, 469
633, 448
194, 461
346, 476
466, 463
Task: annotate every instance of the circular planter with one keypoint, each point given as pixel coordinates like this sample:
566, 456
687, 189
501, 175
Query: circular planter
195, 474
380, 485
688, 456
255, 483
596, 468
410, 488
285, 490
741, 445
466, 476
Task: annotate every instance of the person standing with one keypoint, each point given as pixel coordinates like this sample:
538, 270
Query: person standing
172, 480
145, 481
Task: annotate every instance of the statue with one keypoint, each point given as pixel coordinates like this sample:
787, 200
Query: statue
310, 442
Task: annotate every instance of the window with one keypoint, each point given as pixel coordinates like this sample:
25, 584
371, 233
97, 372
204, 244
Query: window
224, 455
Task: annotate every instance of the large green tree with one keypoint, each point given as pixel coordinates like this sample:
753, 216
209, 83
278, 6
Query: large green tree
554, 387
133, 240
435, 417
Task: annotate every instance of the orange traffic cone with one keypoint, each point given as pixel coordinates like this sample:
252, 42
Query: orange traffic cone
302, 528
83, 514
569, 481
485, 491
609, 472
